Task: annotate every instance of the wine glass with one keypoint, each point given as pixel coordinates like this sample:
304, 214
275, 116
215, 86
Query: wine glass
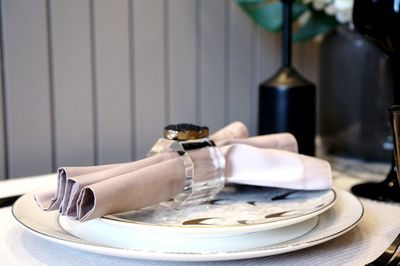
379, 22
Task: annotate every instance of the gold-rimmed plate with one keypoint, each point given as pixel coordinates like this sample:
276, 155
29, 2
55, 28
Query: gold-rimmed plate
236, 210
342, 217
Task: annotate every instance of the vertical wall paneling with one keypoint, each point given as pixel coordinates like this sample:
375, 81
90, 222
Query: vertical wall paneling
240, 66
213, 74
149, 58
2, 125
268, 53
298, 56
311, 66
181, 65
253, 127
311, 62
112, 74
305, 57
27, 93
95, 81
72, 82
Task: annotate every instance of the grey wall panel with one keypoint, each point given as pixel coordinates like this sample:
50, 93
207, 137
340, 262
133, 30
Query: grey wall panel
269, 60
113, 87
27, 94
181, 64
2, 127
240, 67
298, 55
311, 61
149, 73
100, 81
212, 60
305, 59
72, 82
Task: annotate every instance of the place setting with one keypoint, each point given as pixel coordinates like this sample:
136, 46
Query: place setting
195, 197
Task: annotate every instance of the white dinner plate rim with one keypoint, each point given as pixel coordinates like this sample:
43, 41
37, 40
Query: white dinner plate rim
289, 246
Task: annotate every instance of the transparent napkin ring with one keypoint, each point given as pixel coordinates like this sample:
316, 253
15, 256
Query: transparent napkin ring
200, 186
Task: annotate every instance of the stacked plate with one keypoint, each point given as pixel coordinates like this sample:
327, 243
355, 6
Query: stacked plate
242, 222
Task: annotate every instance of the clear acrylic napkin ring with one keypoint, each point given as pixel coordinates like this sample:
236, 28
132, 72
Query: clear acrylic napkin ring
198, 187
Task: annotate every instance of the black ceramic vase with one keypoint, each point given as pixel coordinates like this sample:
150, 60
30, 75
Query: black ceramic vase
287, 101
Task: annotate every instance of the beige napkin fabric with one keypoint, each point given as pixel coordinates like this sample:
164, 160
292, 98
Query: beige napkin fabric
251, 165
84, 193
235, 130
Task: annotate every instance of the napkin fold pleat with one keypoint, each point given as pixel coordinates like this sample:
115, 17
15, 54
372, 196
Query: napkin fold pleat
51, 203
72, 179
144, 187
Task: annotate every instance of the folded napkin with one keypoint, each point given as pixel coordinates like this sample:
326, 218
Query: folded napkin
84, 193
235, 130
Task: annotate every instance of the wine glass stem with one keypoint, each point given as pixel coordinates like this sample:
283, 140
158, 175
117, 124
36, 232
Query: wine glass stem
392, 175
396, 78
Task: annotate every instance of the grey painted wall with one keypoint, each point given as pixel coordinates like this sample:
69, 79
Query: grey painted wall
94, 82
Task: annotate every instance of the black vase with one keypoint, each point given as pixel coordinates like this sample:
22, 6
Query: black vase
287, 100
287, 104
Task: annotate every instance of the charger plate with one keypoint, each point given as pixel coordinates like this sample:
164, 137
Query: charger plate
125, 237
339, 219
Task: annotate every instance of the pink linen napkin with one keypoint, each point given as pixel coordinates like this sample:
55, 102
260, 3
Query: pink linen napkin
84, 193
234, 130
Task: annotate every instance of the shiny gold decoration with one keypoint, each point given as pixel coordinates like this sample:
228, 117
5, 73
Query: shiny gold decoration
275, 215
185, 132
198, 221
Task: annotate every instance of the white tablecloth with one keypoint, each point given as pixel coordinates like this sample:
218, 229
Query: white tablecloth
374, 233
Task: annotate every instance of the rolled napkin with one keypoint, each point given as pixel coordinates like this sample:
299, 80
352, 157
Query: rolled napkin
237, 132
84, 193
250, 165
232, 131
280, 141
72, 179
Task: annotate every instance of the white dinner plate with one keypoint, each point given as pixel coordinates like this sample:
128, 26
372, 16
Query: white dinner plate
236, 210
342, 217
240, 217
102, 232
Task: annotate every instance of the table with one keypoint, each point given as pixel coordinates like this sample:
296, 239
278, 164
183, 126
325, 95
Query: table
368, 240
